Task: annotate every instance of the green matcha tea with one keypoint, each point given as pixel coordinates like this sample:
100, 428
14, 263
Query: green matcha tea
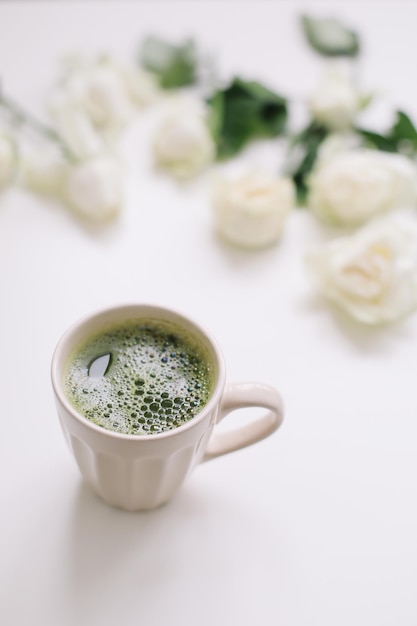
139, 377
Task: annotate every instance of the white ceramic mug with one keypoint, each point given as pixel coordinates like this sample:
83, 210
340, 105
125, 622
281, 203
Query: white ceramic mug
137, 472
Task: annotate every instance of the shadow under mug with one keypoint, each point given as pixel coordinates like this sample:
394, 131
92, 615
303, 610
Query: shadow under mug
139, 472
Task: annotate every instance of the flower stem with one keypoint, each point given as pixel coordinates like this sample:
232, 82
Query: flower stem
21, 117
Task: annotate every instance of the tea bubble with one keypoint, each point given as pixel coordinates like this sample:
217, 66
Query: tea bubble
155, 376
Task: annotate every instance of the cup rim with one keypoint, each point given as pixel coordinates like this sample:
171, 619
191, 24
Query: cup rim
57, 369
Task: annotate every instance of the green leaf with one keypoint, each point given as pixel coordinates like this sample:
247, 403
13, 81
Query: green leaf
329, 37
302, 156
401, 137
174, 65
243, 111
378, 141
404, 129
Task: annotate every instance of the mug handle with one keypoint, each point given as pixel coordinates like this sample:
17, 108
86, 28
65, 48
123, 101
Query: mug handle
241, 396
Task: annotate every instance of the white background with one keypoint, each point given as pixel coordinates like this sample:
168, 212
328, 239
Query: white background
314, 526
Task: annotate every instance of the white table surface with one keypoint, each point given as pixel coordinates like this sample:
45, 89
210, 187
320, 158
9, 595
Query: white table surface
314, 526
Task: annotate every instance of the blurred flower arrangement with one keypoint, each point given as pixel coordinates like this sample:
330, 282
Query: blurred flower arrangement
349, 177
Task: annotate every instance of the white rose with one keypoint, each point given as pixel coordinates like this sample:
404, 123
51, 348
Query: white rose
94, 189
98, 87
371, 274
8, 160
336, 100
335, 144
183, 144
357, 185
250, 211
42, 171
142, 86
105, 98
74, 127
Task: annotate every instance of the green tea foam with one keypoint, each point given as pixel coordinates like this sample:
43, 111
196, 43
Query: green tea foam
140, 377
